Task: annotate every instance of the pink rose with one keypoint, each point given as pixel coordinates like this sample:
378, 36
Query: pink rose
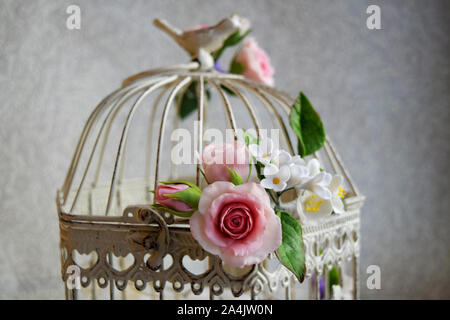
236, 223
177, 205
256, 62
217, 157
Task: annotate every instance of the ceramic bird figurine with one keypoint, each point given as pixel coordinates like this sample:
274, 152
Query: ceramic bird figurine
200, 43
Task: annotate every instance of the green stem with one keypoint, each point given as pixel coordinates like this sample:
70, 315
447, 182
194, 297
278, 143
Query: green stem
204, 176
273, 198
249, 171
219, 53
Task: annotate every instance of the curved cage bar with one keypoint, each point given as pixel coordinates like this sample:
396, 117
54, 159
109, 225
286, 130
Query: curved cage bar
121, 245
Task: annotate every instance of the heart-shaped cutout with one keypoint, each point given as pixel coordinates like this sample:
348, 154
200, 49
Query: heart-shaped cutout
85, 261
120, 263
196, 267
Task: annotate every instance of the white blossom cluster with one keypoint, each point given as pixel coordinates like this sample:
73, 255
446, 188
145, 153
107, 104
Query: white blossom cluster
319, 193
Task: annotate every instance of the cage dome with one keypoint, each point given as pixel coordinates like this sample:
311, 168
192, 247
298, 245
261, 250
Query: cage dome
120, 247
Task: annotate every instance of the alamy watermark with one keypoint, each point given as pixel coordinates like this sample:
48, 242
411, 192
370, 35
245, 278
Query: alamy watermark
373, 21
73, 21
374, 279
74, 277
185, 144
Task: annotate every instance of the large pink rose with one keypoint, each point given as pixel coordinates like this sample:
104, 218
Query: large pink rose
177, 205
256, 62
236, 223
216, 157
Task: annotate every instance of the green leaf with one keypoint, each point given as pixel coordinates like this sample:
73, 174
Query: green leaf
333, 278
232, 40
306, 123
291, 253
250, 139
237, 67
236, 179
174, 212
188, 102
259, 169
345, 204
189, 196
235, 38
227, 90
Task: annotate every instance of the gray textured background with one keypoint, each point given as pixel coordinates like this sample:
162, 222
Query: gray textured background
384, 96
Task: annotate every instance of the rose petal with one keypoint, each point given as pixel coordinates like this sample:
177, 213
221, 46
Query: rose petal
197, 231
211, 192
271, 242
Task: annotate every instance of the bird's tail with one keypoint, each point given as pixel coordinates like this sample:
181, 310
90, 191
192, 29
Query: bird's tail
166, 27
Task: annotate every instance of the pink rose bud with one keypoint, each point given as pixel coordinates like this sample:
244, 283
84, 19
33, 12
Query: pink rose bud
161, 196
217, 157
256, 62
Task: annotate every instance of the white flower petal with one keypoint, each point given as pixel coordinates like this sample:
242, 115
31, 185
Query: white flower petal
299, 176
313, 167
300, 210
321, 191
297, 160
284, 157
299, 172
267, 183
270, 170
325, 209
335, 183
326, 178
322, 178
254, 150
337, 204
280, 186
284, 173
311, 209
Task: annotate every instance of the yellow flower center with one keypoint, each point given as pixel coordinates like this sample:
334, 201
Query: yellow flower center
341, 193
266, 155
276, 180
313, 204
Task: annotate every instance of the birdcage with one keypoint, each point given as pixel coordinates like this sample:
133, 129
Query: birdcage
115, 245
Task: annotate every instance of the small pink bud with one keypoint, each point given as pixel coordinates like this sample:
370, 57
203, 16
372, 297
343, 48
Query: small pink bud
177, 205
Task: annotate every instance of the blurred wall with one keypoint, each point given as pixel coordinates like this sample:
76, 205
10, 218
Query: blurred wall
384, 97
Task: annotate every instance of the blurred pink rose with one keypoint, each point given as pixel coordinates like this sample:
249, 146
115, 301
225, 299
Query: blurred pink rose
177, 205
256, 62
217, 156
236, 223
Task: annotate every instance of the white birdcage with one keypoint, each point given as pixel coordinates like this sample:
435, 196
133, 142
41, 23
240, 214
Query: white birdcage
119, 247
